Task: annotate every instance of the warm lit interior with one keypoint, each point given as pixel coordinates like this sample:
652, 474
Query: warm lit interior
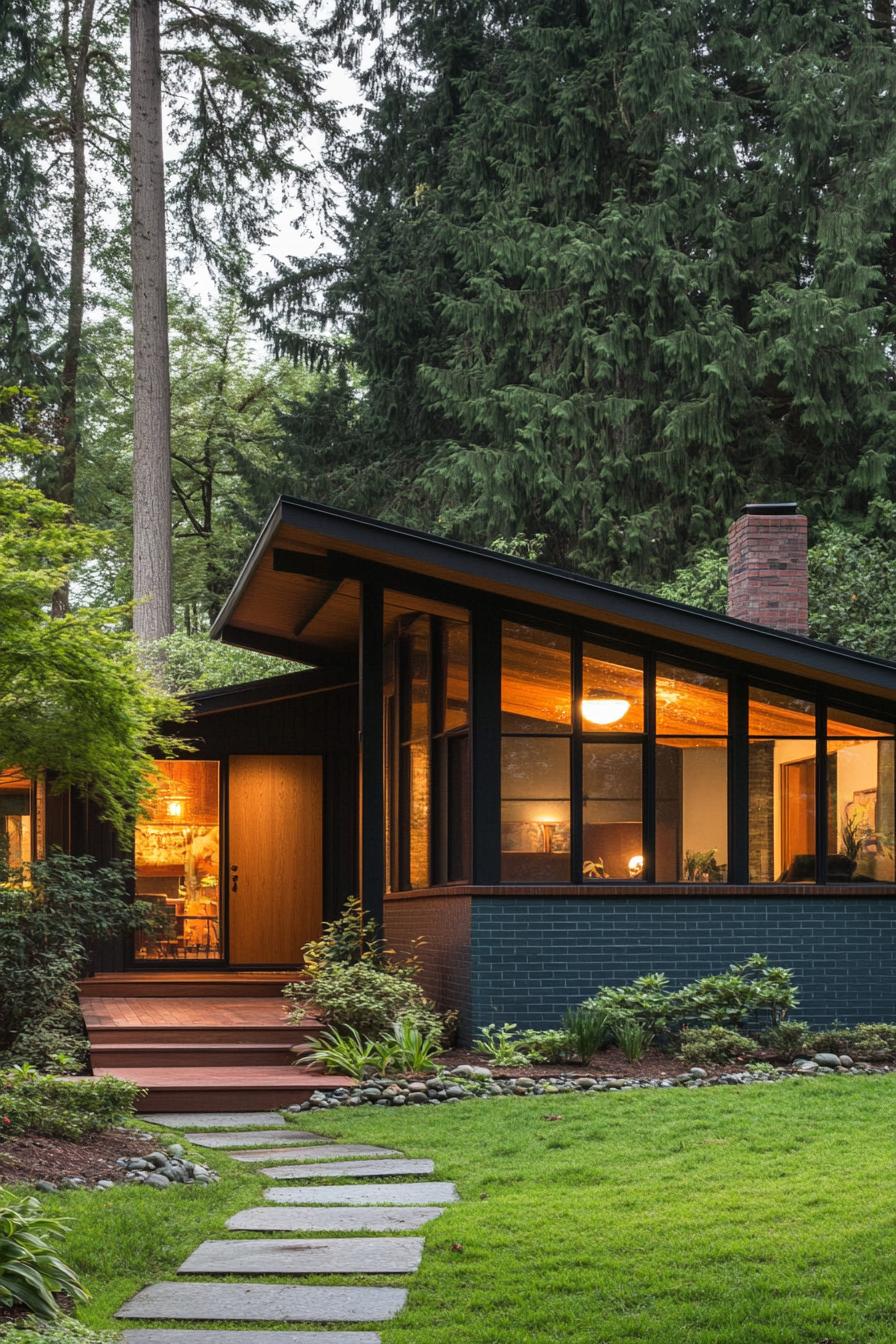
16, 839
177, 862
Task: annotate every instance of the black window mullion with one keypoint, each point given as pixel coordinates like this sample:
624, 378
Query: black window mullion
577, 790
821, 790
738, 783
648, 787
437, 801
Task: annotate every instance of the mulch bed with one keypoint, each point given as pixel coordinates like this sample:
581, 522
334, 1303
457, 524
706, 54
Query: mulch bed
609, 1063
26, 1158
63, 1301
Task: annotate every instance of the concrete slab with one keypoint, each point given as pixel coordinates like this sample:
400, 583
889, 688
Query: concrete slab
261, 1302
259, 1138
310, 1171
214, 1119
316, 1152
160, 1336
402, 1193
326, 1255
292, 1219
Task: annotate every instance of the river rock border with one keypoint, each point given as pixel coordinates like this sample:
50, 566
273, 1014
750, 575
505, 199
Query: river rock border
470, 1082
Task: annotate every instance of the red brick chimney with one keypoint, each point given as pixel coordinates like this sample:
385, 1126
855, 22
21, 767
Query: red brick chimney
768, 577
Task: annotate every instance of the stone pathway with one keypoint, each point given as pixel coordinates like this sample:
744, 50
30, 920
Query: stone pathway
357, 1208
217, 1120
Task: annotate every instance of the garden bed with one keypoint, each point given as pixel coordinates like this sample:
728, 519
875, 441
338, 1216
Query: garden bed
27, 1158
609, 1063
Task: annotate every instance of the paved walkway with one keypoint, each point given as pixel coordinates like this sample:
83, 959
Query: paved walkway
361, 1208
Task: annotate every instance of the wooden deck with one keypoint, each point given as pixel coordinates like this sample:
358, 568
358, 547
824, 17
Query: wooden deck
197, 1041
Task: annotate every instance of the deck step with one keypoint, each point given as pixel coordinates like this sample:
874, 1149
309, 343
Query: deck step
223, 1089
201, 984
188, 1055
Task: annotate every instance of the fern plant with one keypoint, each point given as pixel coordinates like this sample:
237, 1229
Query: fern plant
340, 1052
30, 1270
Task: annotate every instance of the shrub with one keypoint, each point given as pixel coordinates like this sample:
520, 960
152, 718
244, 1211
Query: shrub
714, 1045
500, 1045
351, 936
62, 1330
633, 1039
545, 1047
645, 1000
407, 1049
30, 1270
61, 1107
587, 1030
47, 928
873, 1040
787, 1039
366, 997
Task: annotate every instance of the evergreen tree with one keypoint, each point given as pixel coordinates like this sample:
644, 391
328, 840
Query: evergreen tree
612, 269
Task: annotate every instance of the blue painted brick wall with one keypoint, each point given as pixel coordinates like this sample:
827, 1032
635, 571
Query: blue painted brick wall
531, 958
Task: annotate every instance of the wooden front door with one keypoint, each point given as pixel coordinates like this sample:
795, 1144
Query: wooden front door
276, 858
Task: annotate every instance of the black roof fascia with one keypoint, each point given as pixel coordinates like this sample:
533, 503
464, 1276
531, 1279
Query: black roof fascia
549, 583
306, 681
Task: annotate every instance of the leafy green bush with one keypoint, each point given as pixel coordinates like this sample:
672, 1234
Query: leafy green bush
352, 936
366, 997
751, 989
62, 1330
47, 928
545, 1047
500, 1045
714, 1045
587, 1030
787, 1039
867, 1040
633, 1038
30, 1270
62, 1107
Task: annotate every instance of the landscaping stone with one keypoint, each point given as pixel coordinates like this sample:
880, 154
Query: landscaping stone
323, 1150
258, 1138
261, 1302
45, 1187
401, 1192
214, 1120
341, 1255
292, 1219
162, 1336
827, 1061
422, 1166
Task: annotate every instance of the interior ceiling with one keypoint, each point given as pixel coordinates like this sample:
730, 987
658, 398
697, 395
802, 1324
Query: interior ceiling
317, 618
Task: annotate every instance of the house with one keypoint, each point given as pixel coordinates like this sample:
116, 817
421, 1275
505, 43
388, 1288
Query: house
555, 782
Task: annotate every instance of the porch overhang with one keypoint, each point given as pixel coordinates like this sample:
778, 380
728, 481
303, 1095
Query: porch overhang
299, 594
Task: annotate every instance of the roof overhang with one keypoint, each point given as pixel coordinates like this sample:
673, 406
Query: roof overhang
297, 596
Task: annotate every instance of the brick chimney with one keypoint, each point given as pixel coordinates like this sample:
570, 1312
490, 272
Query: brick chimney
768, 578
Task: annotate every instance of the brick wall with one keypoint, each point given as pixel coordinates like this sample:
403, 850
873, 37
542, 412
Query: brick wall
443, 922
767, 570
532, 957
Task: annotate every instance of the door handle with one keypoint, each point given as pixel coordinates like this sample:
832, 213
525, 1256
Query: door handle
234, 882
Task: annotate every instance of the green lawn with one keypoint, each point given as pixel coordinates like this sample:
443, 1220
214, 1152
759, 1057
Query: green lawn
721, 1216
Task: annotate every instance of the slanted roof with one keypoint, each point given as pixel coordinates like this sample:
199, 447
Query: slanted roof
297, 596
265, 690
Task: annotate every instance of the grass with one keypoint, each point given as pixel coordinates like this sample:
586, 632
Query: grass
758, 1215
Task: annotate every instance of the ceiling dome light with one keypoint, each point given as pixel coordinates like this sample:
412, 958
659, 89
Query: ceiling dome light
604, 709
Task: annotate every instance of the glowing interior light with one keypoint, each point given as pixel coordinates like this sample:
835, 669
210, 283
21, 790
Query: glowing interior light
175, 808
636, 865
604, 710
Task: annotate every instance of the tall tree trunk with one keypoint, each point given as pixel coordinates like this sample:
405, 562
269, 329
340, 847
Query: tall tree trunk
69, 434
152, 388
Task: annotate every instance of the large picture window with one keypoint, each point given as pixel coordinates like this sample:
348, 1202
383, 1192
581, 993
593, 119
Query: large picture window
624, 767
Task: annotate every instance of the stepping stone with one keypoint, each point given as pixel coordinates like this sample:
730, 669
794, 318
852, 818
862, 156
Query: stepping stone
291, 1219
261, 1302
215, 1119
328, 1255
402, 1193
321, 1150
259, 1138
249, 1337
418, 1166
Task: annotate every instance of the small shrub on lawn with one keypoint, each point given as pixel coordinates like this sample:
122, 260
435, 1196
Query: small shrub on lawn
62, 1330
633, 1039
714, 1045
787, 1039
62, 1108
30, 1270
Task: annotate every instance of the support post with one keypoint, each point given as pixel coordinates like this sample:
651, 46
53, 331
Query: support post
486, 744
371, 800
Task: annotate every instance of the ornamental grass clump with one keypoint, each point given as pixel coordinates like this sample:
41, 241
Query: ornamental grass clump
31, 1272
